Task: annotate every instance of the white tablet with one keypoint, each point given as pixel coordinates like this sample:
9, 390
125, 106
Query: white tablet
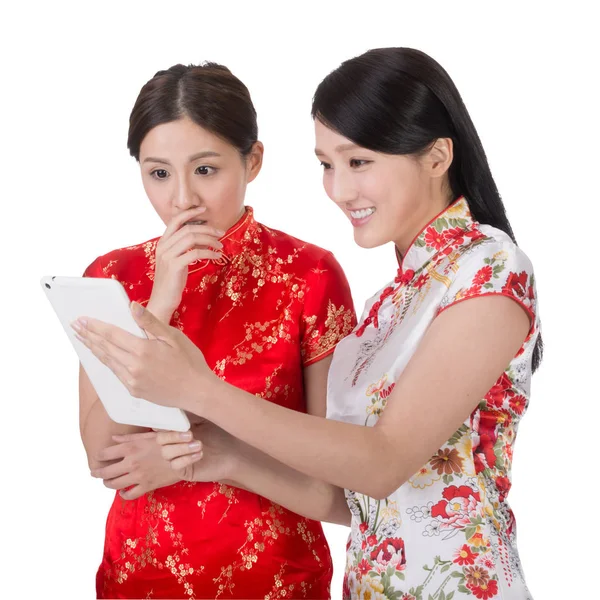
106, 300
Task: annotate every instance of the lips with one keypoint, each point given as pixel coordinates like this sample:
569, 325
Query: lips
362, 216
195, 222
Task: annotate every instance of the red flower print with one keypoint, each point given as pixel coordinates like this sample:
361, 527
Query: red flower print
421, 281
363, 566
499, 391
516, 284
434, 239
503, 484
483, 275
464, 556
483, 452
457, 508
486, 560
455, 235
474, 234
473, 291
371, 540
363, 527
389, 552
387, 391
408, 597
485, 591
364, 545
517, 404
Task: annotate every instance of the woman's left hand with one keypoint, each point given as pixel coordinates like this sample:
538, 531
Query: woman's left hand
140, 465
167, 369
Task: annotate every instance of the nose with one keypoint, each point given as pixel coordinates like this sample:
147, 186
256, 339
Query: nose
342, 188
185, 195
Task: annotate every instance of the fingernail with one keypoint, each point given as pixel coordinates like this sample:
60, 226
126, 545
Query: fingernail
137, 309
194, 445
197, 455
185, 436
220, 232
76, 326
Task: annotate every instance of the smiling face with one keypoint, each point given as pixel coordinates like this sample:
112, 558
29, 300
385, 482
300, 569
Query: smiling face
387, 197
184, 166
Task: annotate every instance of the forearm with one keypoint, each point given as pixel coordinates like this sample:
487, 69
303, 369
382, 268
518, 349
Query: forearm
97, 432
338, 453
300, 493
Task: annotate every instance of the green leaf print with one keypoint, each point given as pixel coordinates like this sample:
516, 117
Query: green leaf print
417, 592
458, 435
488, 286
445, 568
442, 596
470, 532
464, 590
449, 596
441, 224
419, 243
448, 479
457, 574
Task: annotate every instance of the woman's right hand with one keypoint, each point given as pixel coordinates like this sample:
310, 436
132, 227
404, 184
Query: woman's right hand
214, 454
180, 246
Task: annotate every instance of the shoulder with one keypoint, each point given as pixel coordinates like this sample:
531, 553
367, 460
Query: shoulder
121, 261
491, 263
304, 257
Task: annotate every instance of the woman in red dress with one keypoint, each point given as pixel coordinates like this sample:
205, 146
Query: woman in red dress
265, 309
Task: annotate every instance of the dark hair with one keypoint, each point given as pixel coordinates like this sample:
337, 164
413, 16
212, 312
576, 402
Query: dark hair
209, 94
399, 101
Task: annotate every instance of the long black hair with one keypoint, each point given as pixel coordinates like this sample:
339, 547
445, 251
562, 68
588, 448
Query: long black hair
399, 101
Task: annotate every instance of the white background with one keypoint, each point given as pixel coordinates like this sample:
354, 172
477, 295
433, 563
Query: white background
70, 192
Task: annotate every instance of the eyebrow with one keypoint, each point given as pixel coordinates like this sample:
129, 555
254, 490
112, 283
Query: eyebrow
192, 158
340, 148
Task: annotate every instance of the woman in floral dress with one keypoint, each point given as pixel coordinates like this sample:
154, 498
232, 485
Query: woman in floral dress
426, 395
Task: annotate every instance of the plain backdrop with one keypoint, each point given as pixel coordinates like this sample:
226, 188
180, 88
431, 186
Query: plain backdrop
69, 76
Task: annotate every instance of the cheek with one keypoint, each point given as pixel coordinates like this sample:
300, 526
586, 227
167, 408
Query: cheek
328, 184
159, 196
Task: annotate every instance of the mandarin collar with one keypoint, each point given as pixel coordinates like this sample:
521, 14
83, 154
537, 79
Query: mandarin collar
440, 236
238, 235
235, 238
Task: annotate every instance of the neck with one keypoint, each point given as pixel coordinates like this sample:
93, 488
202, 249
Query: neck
437, 203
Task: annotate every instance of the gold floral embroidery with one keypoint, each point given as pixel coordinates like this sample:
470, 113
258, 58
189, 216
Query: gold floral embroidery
339, 323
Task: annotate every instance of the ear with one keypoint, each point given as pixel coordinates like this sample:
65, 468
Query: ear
254, 161
439, 157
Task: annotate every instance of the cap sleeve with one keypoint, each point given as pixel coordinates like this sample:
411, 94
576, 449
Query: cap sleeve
328, 315
95, 269
496, 268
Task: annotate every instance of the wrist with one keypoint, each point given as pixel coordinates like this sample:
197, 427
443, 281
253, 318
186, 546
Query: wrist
202, 388
162, 312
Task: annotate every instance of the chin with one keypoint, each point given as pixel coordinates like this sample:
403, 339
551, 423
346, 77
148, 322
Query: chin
368, 239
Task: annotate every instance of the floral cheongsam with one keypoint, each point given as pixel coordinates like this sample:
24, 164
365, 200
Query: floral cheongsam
272, 306
448, 532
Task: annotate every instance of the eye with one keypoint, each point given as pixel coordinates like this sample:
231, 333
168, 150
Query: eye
355, 163
325, 165
159, 173
205, 170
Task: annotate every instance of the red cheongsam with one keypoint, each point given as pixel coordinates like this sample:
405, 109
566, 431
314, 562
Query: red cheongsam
271, 307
